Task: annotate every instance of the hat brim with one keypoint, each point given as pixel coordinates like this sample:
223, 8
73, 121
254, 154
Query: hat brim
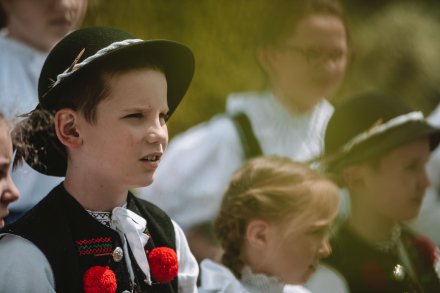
176, 60
381, 144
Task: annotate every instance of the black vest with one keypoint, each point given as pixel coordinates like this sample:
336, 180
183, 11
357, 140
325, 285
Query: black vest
73, 241
367, 269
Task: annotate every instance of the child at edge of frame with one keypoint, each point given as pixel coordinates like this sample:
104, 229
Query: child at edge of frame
104, 100
377, 148
273, 226
8, 191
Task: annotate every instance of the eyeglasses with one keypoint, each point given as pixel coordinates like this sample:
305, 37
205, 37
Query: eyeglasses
317, 56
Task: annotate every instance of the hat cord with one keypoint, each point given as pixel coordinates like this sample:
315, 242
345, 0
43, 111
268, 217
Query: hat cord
100, 53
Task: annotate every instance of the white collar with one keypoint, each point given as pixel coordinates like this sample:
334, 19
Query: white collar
131, 228
260, 282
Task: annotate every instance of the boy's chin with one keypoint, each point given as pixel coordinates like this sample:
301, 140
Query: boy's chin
145, 182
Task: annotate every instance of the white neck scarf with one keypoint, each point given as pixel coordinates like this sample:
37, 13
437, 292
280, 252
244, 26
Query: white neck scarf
131, 226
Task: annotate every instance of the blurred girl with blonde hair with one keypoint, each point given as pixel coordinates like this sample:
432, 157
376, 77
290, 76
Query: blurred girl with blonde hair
273, 226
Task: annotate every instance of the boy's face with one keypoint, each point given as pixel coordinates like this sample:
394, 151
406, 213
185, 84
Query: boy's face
8, 190
42, 23
125, 143
395, 188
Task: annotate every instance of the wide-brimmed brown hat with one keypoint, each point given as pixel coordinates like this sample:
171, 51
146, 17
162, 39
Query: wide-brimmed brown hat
368, 126
85, 48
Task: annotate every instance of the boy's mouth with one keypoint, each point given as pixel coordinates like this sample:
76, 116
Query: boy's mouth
152, 157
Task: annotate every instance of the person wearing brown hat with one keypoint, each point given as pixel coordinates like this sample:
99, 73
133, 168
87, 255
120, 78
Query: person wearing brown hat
377, 148
104, 100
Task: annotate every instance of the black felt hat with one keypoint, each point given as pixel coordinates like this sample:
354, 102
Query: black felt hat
87, 47
370, 125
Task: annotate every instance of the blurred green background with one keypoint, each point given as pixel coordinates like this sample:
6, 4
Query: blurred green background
396, 47
217, 34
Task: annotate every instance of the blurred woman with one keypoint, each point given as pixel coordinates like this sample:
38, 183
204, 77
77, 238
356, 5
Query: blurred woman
303, 50
29, 30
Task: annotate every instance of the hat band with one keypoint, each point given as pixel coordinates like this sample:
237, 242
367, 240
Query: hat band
381, 128
377, 129
101, 52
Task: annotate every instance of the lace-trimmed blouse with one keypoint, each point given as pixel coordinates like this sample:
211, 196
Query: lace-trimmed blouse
218, 278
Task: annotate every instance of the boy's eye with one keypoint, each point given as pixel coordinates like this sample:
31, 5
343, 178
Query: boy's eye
414, 167
135, 115
164, 116
318, 232
321, 232
411, 167
3, 172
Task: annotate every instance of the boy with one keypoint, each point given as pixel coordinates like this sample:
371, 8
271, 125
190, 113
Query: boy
377, 148
101, 122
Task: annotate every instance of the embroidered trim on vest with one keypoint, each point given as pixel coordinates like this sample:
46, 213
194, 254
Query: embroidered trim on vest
95, 246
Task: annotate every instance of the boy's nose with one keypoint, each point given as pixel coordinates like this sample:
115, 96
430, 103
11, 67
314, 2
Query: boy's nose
424, 181
157, 134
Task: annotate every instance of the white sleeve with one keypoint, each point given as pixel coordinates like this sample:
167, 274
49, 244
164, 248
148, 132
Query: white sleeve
24, 268
188, 267
326, 279
217, 278
194, 172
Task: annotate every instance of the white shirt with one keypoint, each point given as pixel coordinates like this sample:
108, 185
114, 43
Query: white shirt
198, 164
24, 268
19, 72
327, 280
216, 278
20, 68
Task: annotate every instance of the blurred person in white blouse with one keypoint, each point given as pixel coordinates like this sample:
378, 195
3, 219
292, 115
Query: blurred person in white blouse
29, 30
302, 47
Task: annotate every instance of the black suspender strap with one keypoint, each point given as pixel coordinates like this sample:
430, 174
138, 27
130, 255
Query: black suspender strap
251, 146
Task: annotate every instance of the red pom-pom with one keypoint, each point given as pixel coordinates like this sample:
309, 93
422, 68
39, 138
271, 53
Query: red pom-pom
99, 279
426, 250
163, 264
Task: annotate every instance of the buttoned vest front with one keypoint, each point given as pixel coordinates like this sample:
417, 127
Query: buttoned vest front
73, 241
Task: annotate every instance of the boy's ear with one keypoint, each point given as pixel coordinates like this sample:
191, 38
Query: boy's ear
257, 233
66, 129
352, 176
